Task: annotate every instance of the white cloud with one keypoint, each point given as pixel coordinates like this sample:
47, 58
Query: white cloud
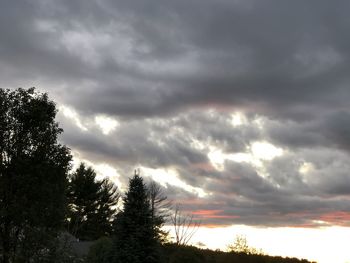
106, 124
107, 171
265, 151
171, 177
71, 114
238, 119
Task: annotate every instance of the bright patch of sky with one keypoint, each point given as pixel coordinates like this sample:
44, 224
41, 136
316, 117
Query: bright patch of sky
265, 151
106, 124
107, 171
71, 114
324, 245
238, 119
256, 153
103, 170
306, 168
171, 177
103, 122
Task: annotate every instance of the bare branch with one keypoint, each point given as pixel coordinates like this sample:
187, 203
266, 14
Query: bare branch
184, 226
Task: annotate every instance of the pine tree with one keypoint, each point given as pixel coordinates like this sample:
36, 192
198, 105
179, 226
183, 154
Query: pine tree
106, 208
92, 204
135, 239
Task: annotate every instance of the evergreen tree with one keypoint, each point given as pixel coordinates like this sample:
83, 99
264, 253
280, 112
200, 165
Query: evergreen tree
107, 208
135, 239
92, 204
33, 169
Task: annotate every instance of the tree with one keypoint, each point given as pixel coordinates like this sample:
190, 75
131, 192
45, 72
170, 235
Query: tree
160, 209
92, 204
240, 245
33, 169
184, 226
135, 239
109, 197
100, 251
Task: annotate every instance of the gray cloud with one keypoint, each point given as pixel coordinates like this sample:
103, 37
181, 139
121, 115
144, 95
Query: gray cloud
240, 193
172, 72
154, 58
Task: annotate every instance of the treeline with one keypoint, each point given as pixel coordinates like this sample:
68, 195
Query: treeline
43, 202
190, 254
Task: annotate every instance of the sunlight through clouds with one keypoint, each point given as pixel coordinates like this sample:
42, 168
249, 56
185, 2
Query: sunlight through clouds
265, 151
71, 114
217, 158
106, 124
238, 119
103, 170
107, 171
171, 177
256, 153
306, 168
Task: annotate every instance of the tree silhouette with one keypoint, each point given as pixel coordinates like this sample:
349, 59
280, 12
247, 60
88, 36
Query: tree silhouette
160, 209
135, 239
184, 226
92, 204
240, 245
33, 169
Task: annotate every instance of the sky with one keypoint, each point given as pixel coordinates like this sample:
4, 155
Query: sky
239, 108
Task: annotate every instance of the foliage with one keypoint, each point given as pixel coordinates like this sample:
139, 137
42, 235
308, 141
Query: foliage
240, 245
33, 168
179, 253
135, 239
92, 205
100, 252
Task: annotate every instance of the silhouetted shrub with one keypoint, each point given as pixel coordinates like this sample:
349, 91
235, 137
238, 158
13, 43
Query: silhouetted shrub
100, 252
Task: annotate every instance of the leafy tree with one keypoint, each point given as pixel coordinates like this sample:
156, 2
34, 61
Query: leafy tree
240, 245
135, 239
33, 169
92, 204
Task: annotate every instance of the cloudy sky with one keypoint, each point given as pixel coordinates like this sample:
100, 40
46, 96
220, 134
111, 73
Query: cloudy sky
240, 108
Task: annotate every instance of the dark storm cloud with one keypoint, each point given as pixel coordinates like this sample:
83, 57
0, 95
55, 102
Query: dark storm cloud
147, 59
171, 73
325, 130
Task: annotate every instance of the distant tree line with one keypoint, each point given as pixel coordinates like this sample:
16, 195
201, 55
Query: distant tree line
42, 199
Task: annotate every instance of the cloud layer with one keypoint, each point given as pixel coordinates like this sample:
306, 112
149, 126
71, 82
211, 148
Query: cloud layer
189, 91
